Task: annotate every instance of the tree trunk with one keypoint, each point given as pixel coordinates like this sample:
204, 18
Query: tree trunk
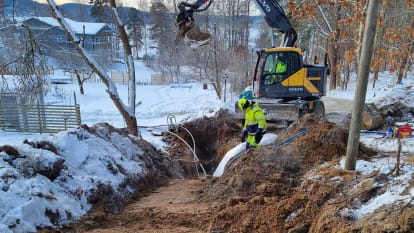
408, 68
377, 44
127, 112
129, 116
362, 82
375, 79
218, 83
80, 83
406, 58
332, 54
333, 50
347, 76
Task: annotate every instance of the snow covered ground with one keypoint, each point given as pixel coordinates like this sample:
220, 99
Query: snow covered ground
24, 198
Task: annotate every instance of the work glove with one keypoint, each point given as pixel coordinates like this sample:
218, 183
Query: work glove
259, 134
244, 135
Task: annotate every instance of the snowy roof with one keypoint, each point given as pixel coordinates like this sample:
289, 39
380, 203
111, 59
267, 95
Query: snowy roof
77, 27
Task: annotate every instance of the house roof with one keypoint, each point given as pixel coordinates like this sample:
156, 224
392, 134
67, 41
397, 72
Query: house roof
77, 27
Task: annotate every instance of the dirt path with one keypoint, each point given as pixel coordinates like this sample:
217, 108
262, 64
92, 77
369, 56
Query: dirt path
166, 210
336, 109
333, 104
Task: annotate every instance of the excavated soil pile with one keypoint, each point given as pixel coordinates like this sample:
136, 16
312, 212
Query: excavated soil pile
296, 187
276, 168
323, 141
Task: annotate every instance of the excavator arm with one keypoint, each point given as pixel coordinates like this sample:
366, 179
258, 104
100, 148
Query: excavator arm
276, 18
273, 13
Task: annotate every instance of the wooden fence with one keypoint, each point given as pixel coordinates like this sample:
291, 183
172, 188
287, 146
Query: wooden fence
39, 118
160, 79
120, 77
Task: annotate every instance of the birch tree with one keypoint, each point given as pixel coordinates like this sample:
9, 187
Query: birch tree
127, 111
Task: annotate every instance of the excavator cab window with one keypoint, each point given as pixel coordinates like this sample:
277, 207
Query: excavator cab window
280, 65
276, 68
296, 62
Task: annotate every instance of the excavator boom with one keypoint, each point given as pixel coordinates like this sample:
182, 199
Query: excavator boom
272, 11
276, 18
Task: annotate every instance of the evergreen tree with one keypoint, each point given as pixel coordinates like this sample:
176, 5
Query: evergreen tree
135, 26
99, 10
163, 33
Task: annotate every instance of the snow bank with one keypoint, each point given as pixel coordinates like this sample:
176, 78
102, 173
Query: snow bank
30, 199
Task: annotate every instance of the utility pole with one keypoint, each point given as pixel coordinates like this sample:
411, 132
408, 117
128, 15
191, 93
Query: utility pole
225, 77
361, 89
218, 88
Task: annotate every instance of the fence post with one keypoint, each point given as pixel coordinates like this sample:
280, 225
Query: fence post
1, 116
74, 97
39, 119
78, 114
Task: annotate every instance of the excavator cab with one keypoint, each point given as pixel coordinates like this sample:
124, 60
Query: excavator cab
285, 87
277, 66
281, 74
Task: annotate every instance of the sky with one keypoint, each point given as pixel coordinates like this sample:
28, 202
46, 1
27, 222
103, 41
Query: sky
139, 4
25, 194
132, 3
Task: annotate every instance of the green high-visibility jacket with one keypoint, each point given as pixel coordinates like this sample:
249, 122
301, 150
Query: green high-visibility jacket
254, 119
280, 67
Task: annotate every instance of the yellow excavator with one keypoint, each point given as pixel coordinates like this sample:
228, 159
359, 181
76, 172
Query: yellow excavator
288, 93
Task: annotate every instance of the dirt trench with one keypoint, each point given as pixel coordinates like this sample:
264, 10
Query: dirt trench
213, 137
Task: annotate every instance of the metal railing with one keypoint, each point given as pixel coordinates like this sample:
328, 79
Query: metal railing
39, 118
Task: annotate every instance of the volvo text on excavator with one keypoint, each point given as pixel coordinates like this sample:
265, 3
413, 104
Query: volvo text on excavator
283, 85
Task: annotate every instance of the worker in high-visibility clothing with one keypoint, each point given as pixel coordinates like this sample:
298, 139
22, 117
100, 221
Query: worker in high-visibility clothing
255, 123
280, 67
279, 71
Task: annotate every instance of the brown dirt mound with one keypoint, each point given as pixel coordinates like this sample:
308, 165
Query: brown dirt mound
324, 141
269, 190
275, 169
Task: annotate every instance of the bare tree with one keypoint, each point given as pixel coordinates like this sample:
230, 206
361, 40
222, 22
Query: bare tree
30, 71
76, 66
407, 48
135, 25
127, 111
